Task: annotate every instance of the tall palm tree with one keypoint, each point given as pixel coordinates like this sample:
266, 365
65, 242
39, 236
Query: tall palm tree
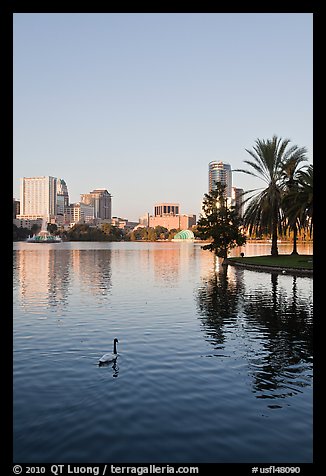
291, 175
299, 200
264, 213
306, 197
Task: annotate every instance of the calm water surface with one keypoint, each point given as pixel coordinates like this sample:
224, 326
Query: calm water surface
215, 365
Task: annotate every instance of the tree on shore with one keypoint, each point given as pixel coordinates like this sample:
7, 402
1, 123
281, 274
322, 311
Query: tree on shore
219, 223
52, 228
299, 200
85, 232
149, 233
291, 176
305, 198
20, 234
264, 212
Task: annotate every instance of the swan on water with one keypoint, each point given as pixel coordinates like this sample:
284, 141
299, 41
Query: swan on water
110, 357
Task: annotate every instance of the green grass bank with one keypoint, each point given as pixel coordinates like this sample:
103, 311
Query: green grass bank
287, 263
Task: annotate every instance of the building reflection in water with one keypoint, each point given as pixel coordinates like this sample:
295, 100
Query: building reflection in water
284, 364
218, 301
43, 277
166, 265
93, 269
47, 277
272, 322
171, 261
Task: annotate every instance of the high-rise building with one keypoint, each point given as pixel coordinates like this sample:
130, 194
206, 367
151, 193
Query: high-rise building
62, 189
78, 213
16, 208
237, 200
62, 196
101, 200
220, 172
38, 198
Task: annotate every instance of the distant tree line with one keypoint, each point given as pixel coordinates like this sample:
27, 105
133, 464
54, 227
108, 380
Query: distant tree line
78, 232
20, 233
105, 232
85, 232
152, 234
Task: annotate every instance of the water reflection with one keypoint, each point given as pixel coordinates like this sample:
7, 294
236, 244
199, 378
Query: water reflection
171, 262
114, 366
93, 267
166, 265
274, 322
284, 362
43, 277
217, 301
46, 277
165, 396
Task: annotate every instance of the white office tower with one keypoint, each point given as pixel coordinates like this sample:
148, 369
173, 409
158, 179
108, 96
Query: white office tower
38, 198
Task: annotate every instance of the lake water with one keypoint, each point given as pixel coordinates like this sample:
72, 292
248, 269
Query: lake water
215, 365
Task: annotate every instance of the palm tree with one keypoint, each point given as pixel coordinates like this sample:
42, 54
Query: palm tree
305, 197
264, 212
291, 175
299, 200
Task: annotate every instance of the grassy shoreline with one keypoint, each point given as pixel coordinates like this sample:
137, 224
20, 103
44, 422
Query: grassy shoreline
286, 263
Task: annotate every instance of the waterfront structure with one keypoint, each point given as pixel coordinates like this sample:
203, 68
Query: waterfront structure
44, 236
220, 172
184, 235
101, 200
168, 215
38, 198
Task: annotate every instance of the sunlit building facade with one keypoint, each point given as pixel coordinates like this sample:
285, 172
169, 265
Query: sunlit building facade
78, 213
101, 200
168, 215
220, 172
38, 198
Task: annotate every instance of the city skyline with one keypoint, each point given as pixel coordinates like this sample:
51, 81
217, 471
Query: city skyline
141, 103
35, 203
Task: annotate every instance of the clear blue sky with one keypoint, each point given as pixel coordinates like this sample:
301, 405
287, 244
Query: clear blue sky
141, 103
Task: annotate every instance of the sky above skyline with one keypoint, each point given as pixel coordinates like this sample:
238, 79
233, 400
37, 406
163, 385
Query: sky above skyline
140, 103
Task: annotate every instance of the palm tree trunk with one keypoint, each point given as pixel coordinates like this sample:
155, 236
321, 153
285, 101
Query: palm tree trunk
274, 249
295, 237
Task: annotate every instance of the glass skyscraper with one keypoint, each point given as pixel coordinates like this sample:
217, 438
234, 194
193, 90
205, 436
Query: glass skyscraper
220, 172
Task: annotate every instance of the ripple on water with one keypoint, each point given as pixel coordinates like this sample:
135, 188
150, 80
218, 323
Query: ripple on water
210, 370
